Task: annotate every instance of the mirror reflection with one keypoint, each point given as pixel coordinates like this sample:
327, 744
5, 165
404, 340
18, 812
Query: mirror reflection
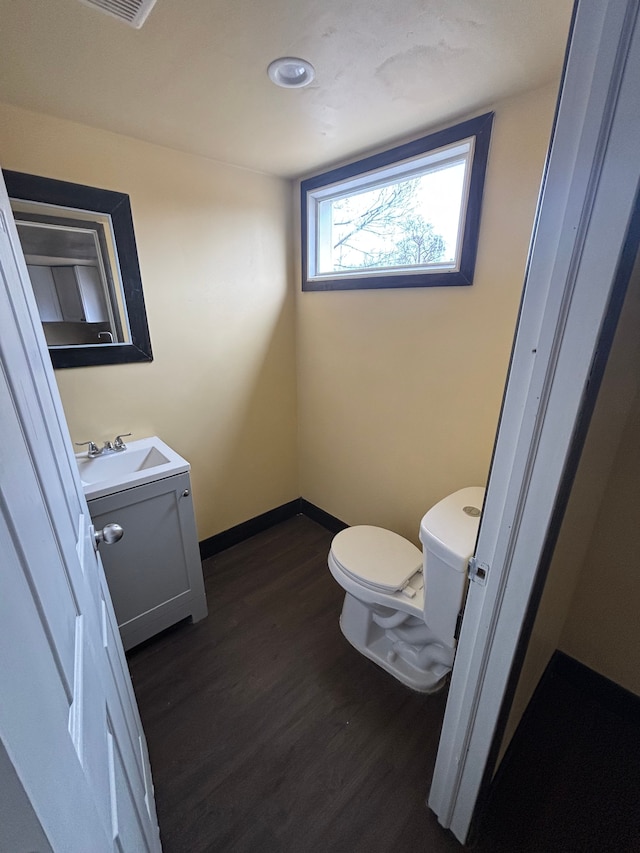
71, 260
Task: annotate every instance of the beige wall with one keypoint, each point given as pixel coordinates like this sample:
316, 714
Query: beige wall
399, 391
602, 628
214, 249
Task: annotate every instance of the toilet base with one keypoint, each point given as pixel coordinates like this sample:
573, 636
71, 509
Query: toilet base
384, 647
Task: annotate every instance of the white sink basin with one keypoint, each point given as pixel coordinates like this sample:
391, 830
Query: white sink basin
142, 462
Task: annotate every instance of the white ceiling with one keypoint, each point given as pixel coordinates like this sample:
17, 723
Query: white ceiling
194, 77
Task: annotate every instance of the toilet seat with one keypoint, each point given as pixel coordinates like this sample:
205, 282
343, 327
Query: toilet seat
376, 558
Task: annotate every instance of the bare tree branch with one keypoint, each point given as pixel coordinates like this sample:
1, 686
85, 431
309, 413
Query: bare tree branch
389, 207
405, 238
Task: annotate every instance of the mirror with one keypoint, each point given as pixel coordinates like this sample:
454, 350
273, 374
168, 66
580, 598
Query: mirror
81, 255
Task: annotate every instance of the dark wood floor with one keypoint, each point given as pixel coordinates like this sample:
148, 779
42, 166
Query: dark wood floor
572, 781
268, 732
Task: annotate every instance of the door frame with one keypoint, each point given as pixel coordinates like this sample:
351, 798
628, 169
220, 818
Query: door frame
580, 236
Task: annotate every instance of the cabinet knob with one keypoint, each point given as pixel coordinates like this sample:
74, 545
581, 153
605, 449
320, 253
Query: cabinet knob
109, 534
185, 494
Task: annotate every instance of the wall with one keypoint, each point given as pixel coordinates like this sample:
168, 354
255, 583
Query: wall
601, 629
590, 600
399, 391
214, 249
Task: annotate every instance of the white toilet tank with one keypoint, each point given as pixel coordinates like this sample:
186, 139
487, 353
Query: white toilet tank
448, 534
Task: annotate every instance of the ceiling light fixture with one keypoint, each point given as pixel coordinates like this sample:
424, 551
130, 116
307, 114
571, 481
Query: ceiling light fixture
291, 72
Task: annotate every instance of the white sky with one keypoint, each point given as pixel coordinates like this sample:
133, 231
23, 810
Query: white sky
437, 197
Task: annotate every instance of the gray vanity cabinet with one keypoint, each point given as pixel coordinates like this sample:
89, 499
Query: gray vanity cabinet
154, 572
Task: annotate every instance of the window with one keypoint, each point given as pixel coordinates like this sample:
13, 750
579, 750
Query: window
408, 217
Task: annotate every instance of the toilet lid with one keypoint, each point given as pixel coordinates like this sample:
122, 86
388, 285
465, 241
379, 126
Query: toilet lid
376, 557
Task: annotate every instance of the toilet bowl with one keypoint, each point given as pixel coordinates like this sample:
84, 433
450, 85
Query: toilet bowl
402, 605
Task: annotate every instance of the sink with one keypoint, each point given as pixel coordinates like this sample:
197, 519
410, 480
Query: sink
143, 461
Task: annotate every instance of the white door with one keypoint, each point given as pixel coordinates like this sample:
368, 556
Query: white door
74, 771
587, 224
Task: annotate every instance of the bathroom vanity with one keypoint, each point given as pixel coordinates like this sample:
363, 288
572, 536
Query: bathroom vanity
154, 572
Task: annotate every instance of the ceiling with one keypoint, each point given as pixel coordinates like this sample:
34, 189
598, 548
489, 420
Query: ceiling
194, 77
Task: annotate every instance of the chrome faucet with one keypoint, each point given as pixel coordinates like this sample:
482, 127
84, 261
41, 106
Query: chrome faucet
109, 446
118, 443
93, 450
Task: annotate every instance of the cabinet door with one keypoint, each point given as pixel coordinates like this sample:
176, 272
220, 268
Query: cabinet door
69, 294
92, 294
154, 572
81, 294
44, 289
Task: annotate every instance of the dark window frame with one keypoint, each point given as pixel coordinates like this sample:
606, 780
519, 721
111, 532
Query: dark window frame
480, 128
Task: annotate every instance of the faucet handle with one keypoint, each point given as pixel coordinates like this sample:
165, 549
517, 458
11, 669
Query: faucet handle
94, 450
118, 443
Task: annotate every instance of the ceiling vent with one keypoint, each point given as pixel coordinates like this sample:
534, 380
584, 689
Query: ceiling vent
132, 12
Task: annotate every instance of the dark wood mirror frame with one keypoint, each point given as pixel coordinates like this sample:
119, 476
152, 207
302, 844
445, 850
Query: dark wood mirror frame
48, 191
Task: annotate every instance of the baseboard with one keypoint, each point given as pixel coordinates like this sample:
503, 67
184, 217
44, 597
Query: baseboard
247, 529
616, 698
321, 517
221, 541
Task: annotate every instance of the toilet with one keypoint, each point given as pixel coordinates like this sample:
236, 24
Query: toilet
402, 605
